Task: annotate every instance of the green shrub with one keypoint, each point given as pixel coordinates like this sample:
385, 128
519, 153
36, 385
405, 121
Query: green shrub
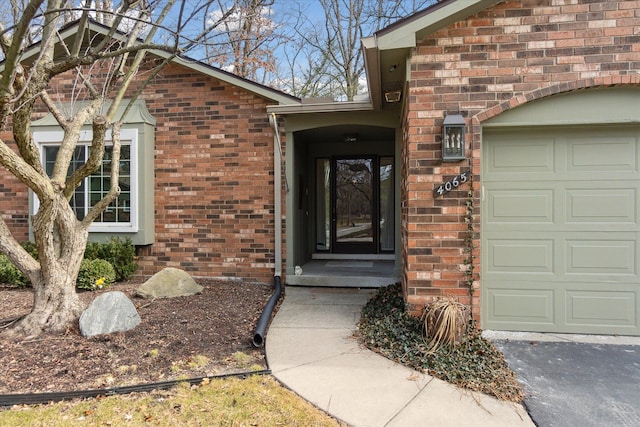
31, 248
92, 250
95, 274
10, 275
118, 252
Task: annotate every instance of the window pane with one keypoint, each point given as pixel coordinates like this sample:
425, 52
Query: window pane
50, 154
77, 201
124, 207
125, 160
119, 210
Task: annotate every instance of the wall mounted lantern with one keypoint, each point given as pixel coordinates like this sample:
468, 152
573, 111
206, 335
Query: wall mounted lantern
453, 147
393, 96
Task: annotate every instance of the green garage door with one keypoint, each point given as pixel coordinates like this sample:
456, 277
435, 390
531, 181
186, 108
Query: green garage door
561, 229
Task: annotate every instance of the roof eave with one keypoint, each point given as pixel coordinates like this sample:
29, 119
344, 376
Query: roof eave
260, 90
402, 36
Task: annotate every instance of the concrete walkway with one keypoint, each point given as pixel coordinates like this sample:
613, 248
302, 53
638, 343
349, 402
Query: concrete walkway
310, 348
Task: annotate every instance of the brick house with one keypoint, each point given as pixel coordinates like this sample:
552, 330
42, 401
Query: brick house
528, 210
548, 92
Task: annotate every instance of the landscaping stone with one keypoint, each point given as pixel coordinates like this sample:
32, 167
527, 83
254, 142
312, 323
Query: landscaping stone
168, 283
110, 312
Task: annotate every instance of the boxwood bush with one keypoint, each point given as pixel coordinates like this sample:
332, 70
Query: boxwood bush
119, 252
95, 274
10, 275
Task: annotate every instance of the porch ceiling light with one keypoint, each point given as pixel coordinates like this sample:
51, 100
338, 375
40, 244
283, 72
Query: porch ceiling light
350, 137
453, 145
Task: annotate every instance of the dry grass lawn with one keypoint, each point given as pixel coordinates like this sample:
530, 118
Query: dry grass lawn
255, 401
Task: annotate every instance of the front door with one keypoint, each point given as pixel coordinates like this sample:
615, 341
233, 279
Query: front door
353, 206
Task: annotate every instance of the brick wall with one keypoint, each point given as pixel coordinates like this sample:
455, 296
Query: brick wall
14, 204
214, 211
513, 53
214, 179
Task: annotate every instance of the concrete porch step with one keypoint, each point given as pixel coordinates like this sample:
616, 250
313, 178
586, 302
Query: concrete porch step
345, 273
341, 281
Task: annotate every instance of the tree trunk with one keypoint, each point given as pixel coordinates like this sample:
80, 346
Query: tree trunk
61, 240
56, 305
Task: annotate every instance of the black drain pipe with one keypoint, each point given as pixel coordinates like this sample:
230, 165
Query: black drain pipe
263, 321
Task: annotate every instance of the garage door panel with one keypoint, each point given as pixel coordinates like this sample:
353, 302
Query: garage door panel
602, 153
520, 306
530, 206
519, 255
601, 205
549, 306
601, 257
528, 155
601, 308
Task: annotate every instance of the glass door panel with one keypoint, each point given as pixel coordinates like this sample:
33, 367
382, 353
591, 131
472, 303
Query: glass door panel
387, 214
323, 204
353, 213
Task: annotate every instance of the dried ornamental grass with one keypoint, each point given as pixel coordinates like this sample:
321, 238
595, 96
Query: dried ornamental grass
444, 322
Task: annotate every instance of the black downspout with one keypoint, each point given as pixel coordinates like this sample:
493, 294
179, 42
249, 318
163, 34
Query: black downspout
263, 321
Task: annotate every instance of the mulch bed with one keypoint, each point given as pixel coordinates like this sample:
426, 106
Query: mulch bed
184, 337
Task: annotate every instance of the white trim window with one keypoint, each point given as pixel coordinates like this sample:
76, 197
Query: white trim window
122, 214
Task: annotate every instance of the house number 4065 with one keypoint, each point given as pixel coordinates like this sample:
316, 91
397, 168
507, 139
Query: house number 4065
452, 184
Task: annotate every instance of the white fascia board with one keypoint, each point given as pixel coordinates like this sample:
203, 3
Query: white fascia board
329, 107
371, 55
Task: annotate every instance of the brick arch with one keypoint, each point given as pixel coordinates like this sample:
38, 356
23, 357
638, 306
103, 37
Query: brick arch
606, 81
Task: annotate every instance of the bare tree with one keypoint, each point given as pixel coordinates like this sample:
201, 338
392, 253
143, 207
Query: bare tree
244, 42
301, 69
106, 68
335, 42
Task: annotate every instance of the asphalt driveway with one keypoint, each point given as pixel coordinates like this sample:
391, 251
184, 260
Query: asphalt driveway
577, 384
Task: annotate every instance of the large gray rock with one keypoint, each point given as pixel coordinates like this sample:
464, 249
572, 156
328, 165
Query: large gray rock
168, 283
110, 312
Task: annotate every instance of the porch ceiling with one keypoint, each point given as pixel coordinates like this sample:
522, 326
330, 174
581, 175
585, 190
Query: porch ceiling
338, 133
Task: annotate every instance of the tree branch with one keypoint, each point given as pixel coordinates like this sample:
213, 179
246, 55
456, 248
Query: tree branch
15, 252
53, 109
84, 18
114, 189
96, 154
70, 140
23, 171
